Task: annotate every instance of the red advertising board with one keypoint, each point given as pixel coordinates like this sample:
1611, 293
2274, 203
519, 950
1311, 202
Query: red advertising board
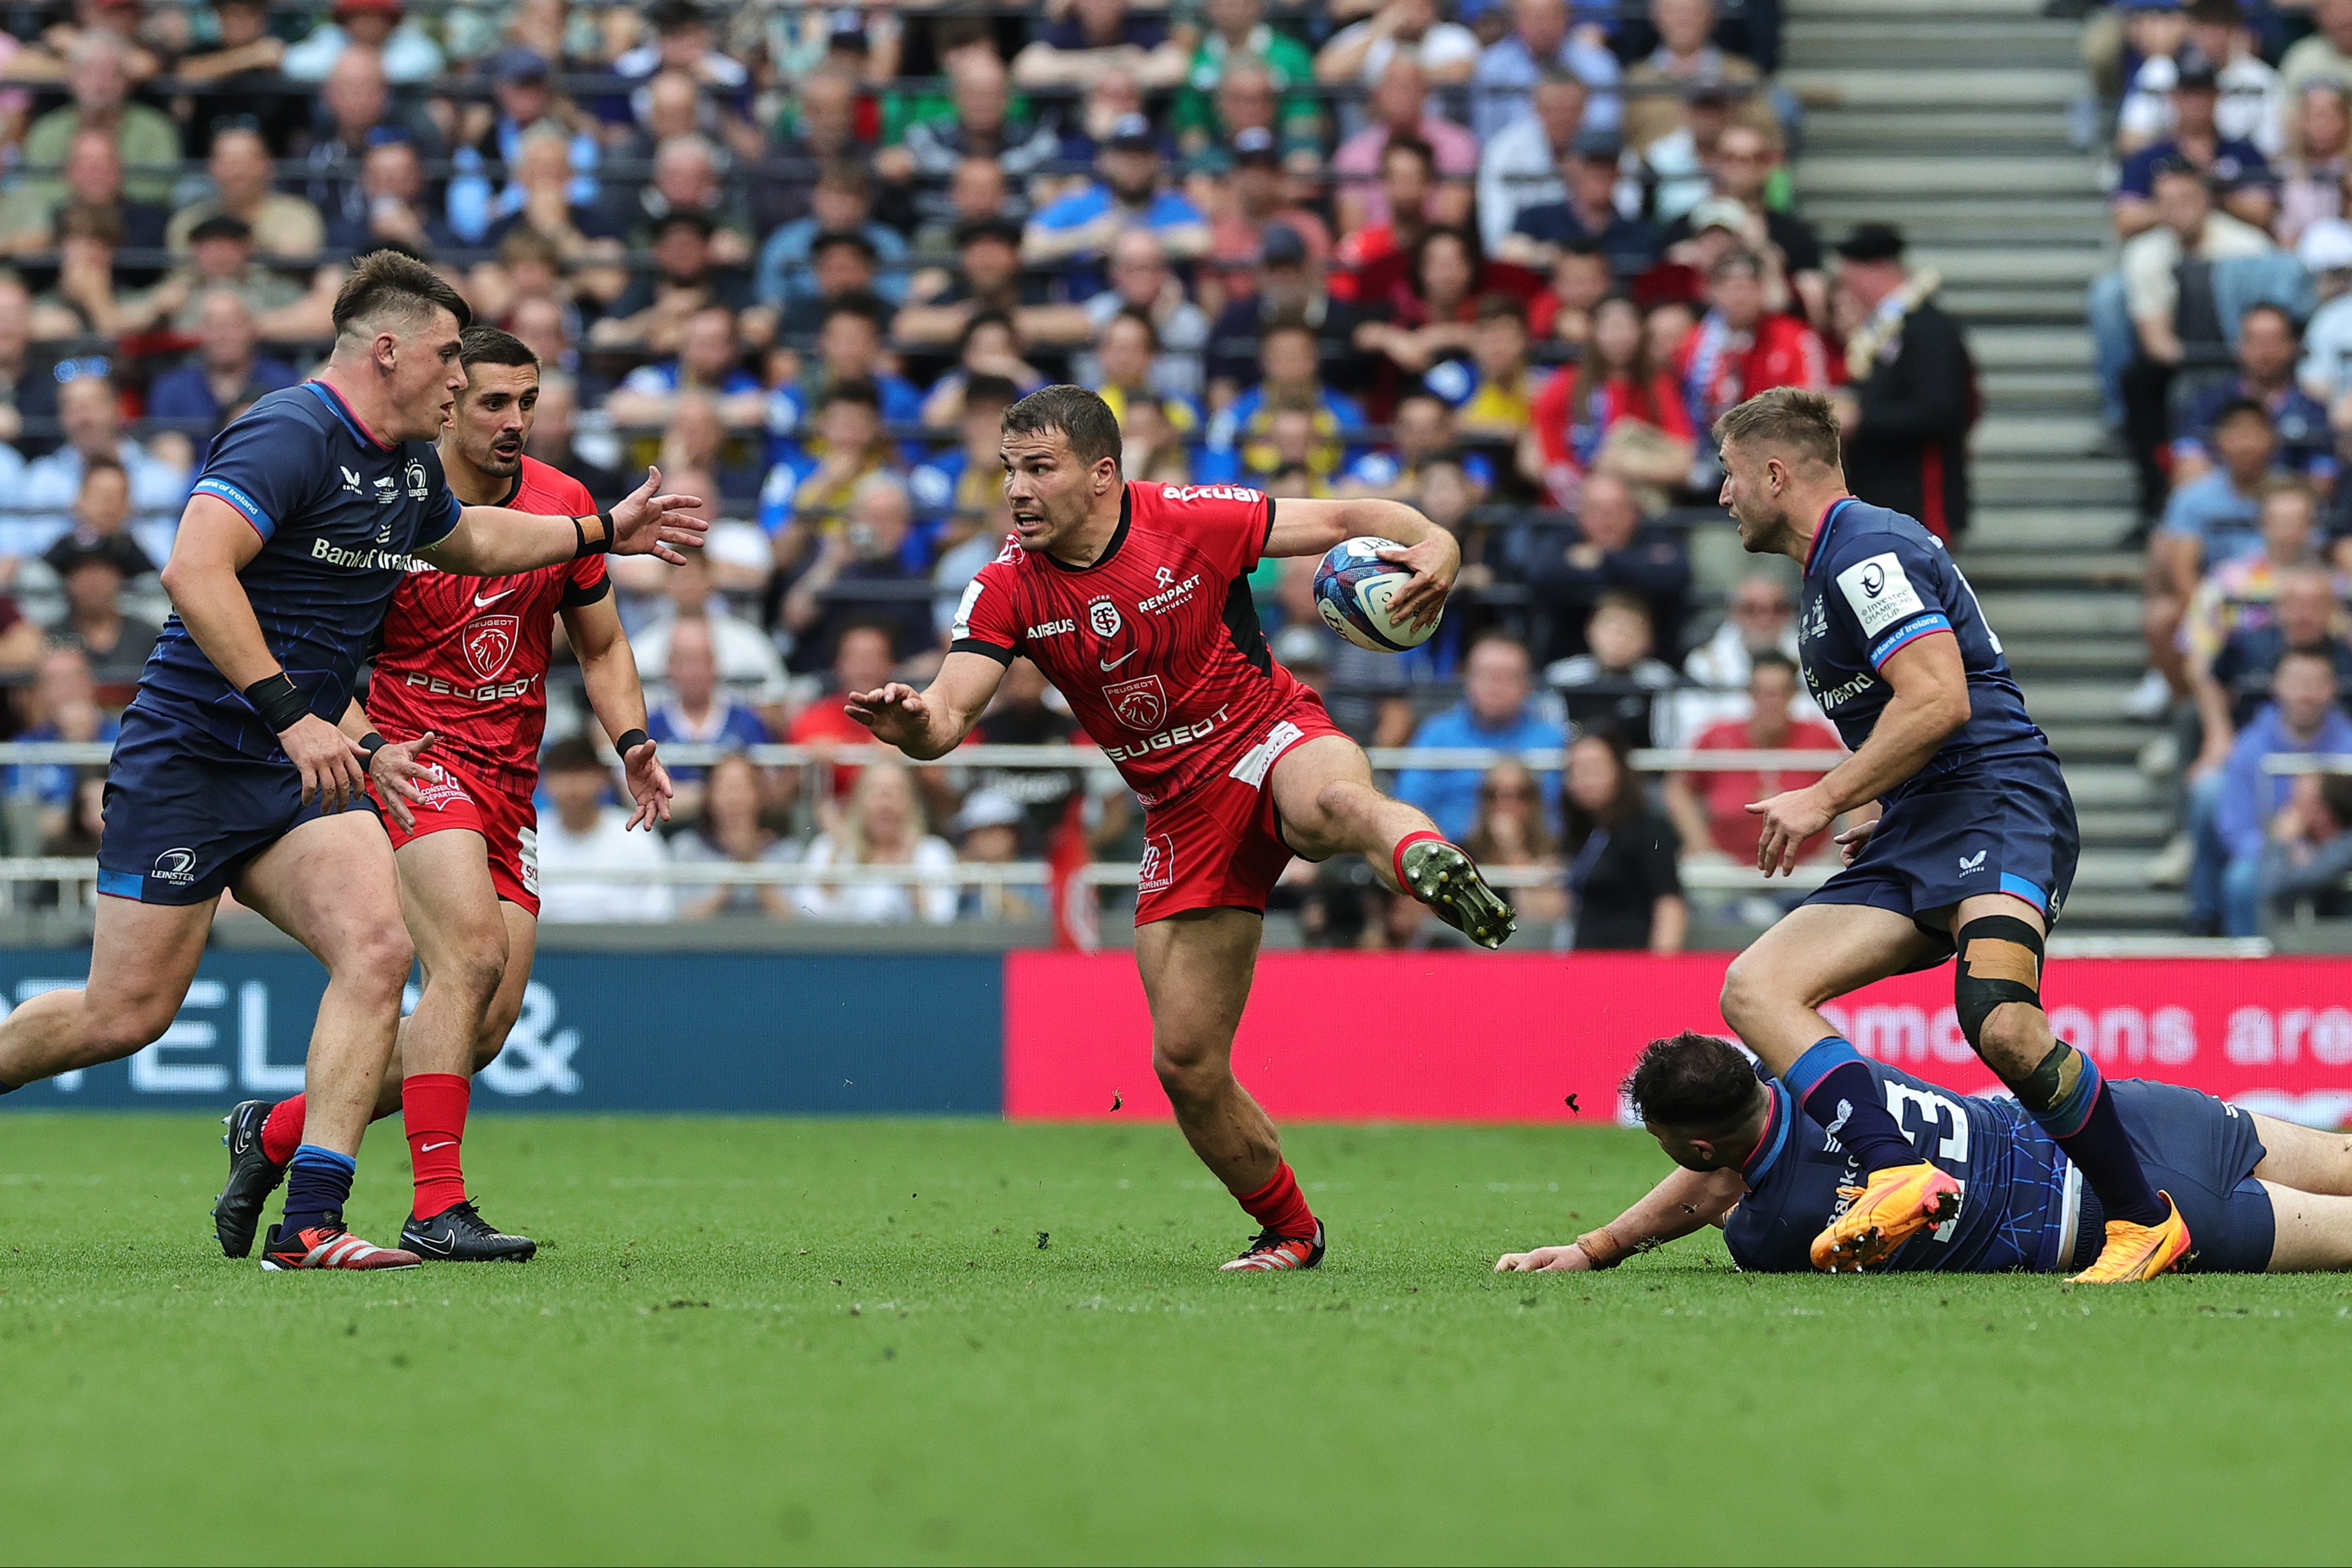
1445, 1036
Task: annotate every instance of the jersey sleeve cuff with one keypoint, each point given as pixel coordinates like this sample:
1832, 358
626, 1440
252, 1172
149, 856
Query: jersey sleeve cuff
251, 510
1903, 635
456, 511
1268, 539
577, 594
996, 651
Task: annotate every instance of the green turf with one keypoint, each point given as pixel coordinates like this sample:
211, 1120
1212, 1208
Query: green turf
841, 1341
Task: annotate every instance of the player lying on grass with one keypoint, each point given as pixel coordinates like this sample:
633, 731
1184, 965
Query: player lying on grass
1133, 599
463, 670
2260, 1193
231, 773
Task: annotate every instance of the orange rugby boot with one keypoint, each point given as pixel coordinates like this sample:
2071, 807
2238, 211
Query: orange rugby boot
1894, 1204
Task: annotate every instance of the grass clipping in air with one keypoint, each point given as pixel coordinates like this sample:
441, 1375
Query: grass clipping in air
770, 1341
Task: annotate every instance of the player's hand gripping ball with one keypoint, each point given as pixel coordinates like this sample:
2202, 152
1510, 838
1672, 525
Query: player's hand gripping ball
1353, 587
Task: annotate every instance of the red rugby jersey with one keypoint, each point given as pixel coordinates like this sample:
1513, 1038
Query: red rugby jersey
466, 657
1157, 644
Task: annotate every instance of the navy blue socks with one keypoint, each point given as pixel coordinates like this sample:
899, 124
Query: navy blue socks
2067, 1095
317, 1182
1833, 1084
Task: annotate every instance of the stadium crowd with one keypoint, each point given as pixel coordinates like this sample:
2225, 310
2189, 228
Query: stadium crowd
1505, 261
2224, 346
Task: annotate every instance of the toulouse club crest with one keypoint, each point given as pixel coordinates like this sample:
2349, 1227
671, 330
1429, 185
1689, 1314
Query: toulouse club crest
1141, 704
489, 644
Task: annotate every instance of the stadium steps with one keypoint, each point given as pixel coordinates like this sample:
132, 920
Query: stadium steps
1953, 121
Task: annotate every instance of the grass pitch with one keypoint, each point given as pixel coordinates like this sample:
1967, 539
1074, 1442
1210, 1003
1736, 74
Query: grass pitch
849, 1341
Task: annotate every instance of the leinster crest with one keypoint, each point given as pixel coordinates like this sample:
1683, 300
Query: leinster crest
489, 644
1141, 704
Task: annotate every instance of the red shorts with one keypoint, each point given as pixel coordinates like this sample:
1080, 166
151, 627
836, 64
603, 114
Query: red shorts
507, 823
1220, 845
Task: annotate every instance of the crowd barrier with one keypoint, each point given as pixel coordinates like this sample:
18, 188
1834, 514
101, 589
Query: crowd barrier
1041, 1036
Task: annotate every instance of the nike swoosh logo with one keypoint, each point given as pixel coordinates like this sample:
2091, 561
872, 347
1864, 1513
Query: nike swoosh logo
443, 1144
481, 603
1115, 663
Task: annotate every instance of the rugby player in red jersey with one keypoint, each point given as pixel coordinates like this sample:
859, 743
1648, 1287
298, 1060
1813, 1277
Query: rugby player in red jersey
1132, 598
455, 715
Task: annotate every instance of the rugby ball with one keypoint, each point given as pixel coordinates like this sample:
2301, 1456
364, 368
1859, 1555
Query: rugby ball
1352, 589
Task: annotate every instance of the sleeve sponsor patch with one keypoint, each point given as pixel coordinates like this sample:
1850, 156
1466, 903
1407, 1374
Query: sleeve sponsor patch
1880, 592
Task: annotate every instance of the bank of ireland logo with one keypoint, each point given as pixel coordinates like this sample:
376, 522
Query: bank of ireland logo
1141, 704
177, 867
489, 643
1103, 616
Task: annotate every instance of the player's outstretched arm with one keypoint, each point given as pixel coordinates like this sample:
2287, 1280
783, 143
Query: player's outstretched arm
496, 541
1310, 527
214, 544
1681, 1202
609, 669
933, 722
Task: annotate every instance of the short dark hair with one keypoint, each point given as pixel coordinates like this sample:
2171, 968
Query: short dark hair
2320, 656
1693, 1081
1083, 420
388, 282
2267, 307
489, 346
860, 303
1141, 318
858, 391
837, 239
102, 463
1411, 146
2240, 408
989, 392
1739, 258
846, 174
1772, 659
574, 754
1805, 421
1496, 306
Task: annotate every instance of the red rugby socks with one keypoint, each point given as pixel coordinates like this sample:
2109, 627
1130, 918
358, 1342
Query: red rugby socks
1279, 1206
281, 1134
432, 1105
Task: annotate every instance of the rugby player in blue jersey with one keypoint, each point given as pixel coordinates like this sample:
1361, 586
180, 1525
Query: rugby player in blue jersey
2261, 1195
1969, 848
231, 774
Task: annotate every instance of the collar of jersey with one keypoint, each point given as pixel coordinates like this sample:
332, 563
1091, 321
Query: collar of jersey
1821, 534
1125, 517
1774, 1137
343, 411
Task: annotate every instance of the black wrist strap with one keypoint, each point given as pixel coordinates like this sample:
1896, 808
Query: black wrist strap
580, 534
370, 743
279, 701
630, 740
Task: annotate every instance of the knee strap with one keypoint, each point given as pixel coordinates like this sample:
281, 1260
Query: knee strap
2000, 961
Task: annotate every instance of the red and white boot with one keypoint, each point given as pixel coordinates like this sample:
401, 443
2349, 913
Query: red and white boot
1270, 1252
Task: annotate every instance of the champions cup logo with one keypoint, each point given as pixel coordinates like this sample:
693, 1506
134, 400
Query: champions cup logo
1141, 704
1874, 580
489, 644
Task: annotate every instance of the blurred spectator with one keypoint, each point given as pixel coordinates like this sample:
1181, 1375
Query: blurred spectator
93, 179
21, 645
964, 484
1613, 686
1540, 40
988, 278
849, 352
1094, 37
1625, 888
1710, 808
983, 126
697, 711
1759, 619
146, 141
1580, 279
2239, 594
82, 302
116, 644
62, 704
28, 385
1613, 412
1375, 258
1422, 433
2252, 103
1021, 716
988, 347
1432, 309
2323, 56
842, 203
2268, 348
102, 524
682, 43
237, 82
1609, 549
1511, 831
708, 363
1141, 281
1290, 380
92, 420
360, 114
1740, 349
2235, 169
727, 831
1401, 108
1247, 103
387, 206
1122, 368
1492, 392
244, 177
652, 312
2302, 719
553, 428
1291, 286
220, 255
2211, 519
546, 197
1519, 165
2306, 609
988, 832
410, 58
1685, 58
1447, 52
1740, 172
1081, 228
2311, 846
686, 181
747, 662
1498, 711
823, 128
1237, 33
586, 833
1910, 392
882, 825
863, 658
807, 494
1588, 214
861, 575
224, 371
2311, 174
2325, 253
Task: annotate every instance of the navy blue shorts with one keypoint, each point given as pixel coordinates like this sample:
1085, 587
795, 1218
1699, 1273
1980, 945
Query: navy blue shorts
1955, 837
184, 813
2203, 1152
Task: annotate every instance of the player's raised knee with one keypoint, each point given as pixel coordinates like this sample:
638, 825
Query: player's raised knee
121, 1026
1744, 991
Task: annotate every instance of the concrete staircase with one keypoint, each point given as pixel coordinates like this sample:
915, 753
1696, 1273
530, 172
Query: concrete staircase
1951, 120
